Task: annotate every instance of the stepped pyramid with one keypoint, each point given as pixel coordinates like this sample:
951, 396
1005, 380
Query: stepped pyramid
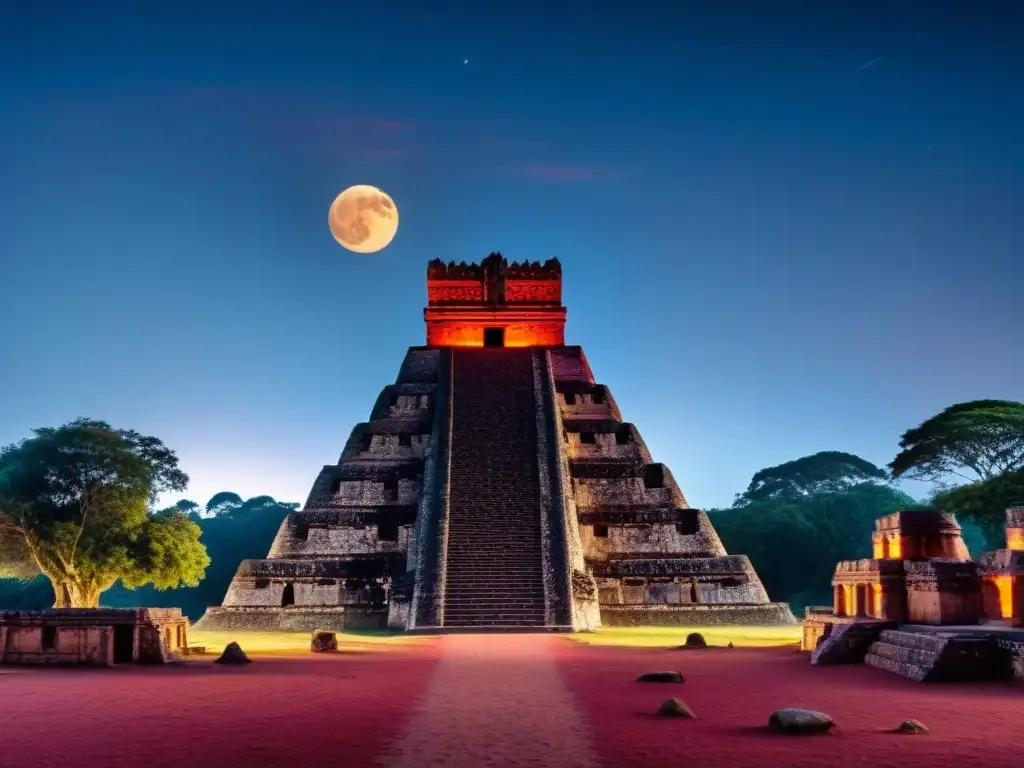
495, 486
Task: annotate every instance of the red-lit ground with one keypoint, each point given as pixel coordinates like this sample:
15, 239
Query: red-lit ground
733, 691
495, 700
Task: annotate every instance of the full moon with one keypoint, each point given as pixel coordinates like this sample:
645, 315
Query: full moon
363, 219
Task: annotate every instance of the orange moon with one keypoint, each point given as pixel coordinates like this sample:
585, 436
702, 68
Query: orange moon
363, 219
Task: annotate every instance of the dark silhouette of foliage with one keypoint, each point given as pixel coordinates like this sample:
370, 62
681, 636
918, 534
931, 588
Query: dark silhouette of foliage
794, 543
74, 507
983, 437
222, 503
824, 472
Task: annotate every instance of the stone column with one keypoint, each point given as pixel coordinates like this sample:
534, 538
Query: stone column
839, 600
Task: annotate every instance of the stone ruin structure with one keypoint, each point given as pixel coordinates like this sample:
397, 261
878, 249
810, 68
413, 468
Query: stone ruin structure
922, 607
101, 636
495, 485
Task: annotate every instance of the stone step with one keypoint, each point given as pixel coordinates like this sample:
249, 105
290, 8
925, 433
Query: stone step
474, 592
473, 589
459, 602
460, 617
910, 671
939, 656
495, 565
493, 577
903, 655
920, 640
469, 542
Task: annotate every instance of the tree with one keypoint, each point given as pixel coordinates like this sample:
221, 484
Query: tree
983, 437
74, 506
223, 503
823, 472
246, 531
190, 509
794, 542
984, 503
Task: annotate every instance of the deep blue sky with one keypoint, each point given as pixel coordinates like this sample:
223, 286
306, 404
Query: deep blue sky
769, 248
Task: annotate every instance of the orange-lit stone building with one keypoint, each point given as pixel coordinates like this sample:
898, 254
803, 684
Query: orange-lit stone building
1002, 574
923, 574
494, 304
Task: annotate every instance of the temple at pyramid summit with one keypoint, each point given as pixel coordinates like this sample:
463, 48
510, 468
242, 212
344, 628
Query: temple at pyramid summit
495, 485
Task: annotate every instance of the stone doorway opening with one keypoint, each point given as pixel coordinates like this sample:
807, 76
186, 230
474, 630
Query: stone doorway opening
494, 337
124, 643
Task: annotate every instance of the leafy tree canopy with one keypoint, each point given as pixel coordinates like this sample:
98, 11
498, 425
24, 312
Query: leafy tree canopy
824, 472
794, 542
977, 440
74, 506
985, 503
244, 532
223, 503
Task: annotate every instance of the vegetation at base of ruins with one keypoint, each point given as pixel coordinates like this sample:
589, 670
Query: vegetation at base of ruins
983, 437
794, 542
75, 508
660, 637
984, 503
823, 472
232, 530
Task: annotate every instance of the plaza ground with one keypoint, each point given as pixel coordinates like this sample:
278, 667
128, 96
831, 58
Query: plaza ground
495, 700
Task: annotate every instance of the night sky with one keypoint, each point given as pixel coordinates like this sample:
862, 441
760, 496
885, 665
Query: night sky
784, 227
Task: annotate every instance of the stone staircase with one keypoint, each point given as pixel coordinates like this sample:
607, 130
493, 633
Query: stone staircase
848, 643
939, 656
494, 577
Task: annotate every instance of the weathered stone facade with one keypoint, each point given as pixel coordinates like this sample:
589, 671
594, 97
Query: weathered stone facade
101, 636
922, 577
458, 504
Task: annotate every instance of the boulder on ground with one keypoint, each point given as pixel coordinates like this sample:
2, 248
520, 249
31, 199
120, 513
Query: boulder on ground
675, 708
323, 641
695, 640
911, 726
233, 654
660, 677
795, 720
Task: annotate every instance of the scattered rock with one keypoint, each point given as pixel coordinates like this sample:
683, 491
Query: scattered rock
695, 640
323, 642
675, 708
911, 726
233, 654
794, 720
660, 677
193, 650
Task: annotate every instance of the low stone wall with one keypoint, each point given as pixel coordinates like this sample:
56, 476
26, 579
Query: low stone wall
291, 619
103, 636
696, 615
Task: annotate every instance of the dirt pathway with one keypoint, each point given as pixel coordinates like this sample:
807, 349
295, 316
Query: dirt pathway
495, 700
